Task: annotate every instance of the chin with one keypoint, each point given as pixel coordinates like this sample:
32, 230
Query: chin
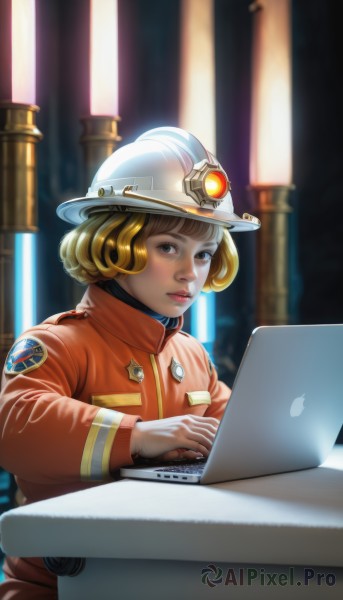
176, 313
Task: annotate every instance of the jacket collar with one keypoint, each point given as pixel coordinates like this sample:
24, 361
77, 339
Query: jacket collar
125, 322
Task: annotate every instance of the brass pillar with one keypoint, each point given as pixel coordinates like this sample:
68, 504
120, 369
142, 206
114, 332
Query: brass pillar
18, 167
272, 273
18, 200
99, 140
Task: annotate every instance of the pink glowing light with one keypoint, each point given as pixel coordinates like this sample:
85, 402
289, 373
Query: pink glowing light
197, 71
104, 57
24, 51
270, 144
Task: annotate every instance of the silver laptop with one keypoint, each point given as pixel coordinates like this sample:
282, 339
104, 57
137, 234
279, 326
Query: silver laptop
284, 414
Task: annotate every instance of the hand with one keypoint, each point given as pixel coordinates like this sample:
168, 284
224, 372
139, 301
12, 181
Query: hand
186, 436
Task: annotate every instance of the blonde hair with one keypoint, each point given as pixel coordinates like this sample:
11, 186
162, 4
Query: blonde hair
106, 245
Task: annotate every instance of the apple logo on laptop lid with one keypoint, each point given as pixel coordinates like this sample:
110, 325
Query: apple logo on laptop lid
297, 406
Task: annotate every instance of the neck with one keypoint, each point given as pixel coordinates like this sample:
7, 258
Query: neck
112, 287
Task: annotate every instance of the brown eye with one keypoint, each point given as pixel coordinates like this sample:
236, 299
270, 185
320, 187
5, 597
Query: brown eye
205, 255
167, 248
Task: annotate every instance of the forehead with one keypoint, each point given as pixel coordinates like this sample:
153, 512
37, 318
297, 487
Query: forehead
198, 230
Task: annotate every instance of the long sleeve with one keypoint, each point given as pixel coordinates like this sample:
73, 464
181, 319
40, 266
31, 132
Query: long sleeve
50, 437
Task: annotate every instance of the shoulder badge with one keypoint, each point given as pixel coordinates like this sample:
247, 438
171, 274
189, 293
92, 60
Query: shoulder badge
25, 355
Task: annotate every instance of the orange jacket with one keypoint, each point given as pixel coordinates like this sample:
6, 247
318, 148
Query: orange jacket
66, 419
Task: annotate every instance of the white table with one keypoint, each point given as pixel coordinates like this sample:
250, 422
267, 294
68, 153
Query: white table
269, 536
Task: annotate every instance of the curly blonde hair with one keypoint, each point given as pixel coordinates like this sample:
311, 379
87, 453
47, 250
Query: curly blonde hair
106, 245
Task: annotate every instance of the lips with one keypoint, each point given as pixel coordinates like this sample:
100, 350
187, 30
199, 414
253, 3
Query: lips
180, 296
181, 293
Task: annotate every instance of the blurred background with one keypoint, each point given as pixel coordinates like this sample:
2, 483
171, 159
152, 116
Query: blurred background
151, 59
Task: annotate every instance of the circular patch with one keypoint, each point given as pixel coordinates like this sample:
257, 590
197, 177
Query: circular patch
25, 355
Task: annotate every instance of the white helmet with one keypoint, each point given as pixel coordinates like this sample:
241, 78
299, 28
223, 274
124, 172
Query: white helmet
165, 171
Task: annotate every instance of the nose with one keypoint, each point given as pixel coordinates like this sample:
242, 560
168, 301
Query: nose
186, 270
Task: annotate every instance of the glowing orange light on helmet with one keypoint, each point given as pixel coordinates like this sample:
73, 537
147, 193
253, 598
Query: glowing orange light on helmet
216, 184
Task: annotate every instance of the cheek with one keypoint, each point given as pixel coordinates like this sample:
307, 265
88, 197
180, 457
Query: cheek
205, 273
156, 270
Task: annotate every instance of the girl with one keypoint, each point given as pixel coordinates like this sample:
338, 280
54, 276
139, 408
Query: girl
92, 389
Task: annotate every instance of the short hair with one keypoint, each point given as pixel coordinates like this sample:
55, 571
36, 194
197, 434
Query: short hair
106, 245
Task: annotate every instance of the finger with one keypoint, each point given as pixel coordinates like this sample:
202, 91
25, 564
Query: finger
179, 454
202, 436
203, 424
203, 450
201, 447
191, 455
207, 430
172, 455
205, 420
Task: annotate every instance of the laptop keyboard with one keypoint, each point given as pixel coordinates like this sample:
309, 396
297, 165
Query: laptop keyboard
195, 468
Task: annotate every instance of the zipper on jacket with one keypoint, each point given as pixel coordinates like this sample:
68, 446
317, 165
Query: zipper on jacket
158, 386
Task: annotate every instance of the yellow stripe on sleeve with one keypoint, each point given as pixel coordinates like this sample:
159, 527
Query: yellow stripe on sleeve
96, 453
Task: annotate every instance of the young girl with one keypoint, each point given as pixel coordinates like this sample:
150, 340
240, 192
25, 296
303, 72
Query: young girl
92, 389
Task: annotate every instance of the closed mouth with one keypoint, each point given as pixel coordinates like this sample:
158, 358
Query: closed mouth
181, 293
180, 298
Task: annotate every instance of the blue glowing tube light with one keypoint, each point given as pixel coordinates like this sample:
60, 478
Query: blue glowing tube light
24, 282
203, 320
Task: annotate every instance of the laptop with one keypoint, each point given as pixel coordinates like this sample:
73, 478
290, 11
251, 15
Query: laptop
284, 413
